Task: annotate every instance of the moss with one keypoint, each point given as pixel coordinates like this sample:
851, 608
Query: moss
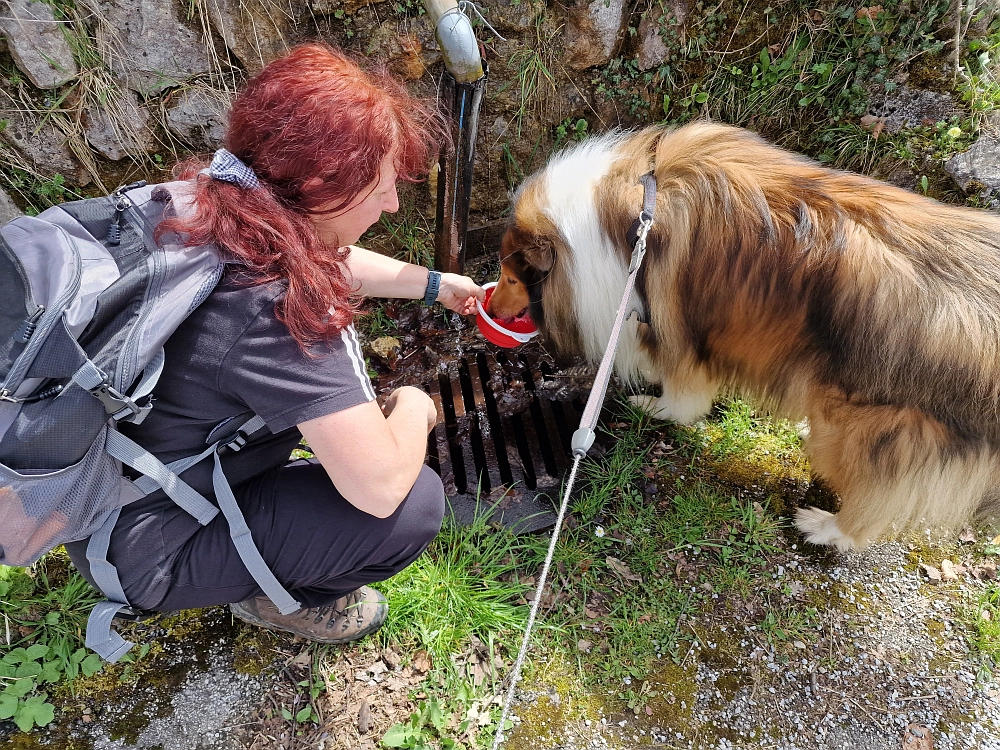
928, 72
672, 689
542, 722
722, 653
254, 650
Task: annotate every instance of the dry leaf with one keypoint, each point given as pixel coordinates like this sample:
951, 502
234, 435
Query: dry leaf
593, 614
917, 737
391, 659
932, 573
948, 571
364, 717
584, 645
622, 569
421, 661
871, 13
968, 536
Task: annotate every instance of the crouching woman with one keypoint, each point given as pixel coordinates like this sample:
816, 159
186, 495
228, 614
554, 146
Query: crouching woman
314, 149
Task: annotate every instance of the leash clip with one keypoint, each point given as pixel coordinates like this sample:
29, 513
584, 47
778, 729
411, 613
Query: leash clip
639, 252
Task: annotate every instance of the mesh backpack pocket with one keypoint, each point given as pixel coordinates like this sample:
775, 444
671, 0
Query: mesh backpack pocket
42, 508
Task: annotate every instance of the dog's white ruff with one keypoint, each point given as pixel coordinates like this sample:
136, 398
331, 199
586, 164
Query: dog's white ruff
821, 527
598, 272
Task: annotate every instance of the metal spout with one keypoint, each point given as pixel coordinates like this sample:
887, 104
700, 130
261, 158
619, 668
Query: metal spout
463, 85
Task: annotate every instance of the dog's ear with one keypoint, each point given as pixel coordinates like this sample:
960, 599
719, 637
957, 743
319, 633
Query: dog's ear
541, 253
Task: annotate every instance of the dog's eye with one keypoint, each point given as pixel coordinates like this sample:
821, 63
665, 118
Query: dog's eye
511, 281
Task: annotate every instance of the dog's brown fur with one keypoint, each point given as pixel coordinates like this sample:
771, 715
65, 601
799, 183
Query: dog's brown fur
870, 310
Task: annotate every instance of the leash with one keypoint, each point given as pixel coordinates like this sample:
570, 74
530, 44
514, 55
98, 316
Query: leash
584, 436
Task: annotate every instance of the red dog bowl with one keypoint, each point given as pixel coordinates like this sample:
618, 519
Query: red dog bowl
507, 334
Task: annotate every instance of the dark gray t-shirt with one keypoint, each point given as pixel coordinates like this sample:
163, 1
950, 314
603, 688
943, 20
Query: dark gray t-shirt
230, 359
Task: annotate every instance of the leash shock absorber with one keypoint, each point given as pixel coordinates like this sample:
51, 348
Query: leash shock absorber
584, 436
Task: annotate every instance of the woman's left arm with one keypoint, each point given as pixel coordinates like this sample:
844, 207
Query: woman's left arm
377, 275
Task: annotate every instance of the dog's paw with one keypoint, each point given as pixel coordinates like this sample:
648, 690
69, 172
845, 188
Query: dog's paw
821, 527
683, 410
649, 405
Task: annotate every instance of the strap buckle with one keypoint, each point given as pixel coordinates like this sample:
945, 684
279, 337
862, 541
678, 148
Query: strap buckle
237, 441
639, 251
119, 406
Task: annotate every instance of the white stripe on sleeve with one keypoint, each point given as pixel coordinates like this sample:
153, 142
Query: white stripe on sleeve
353, 348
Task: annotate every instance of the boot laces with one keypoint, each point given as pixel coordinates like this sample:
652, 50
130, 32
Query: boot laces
331, 612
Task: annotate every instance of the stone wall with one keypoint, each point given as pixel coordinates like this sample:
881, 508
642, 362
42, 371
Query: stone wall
104, 91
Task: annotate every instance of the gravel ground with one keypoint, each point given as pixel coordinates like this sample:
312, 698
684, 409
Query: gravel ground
887, 657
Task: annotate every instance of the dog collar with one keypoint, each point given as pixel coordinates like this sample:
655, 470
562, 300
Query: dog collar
648, 181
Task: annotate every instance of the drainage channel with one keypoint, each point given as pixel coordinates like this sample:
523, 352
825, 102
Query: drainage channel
502, 442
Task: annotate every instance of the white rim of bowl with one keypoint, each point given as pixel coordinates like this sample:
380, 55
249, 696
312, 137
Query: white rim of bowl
516, 335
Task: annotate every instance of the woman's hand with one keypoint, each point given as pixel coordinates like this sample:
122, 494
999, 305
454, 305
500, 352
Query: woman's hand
414, 398
459, 293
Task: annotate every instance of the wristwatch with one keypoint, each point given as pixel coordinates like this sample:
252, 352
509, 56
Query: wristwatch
433, 286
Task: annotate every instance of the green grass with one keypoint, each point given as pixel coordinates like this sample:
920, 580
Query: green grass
411, 236
459, 590
985, 626
44, 611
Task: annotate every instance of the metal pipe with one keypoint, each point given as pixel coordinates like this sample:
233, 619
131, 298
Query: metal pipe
463, 84
454, 34
455, 177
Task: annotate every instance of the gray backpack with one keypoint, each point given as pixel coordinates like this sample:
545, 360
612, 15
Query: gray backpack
89, 301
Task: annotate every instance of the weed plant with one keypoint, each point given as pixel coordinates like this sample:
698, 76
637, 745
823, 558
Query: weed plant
44, 610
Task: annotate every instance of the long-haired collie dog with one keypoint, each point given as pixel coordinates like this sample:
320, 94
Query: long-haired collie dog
869, 310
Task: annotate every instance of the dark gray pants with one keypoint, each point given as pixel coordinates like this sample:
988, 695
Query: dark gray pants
316, 543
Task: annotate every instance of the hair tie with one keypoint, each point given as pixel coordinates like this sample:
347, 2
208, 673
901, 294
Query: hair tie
227, 167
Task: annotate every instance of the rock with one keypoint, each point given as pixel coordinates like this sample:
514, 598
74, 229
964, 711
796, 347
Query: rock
909, 107
36, 42
977, 171
593, 31
148, 47
120, 127
386, 348
662, 19
255, 31
43, 145
8, 209
198, 117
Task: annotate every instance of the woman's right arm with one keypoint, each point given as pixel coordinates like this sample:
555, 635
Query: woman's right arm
372, 455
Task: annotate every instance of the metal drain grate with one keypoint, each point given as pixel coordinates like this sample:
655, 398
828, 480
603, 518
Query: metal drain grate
503, 436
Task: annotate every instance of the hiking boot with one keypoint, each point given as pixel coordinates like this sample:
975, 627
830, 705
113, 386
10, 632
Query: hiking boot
347, 619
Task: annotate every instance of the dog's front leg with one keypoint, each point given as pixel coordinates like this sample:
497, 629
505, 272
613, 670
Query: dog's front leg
684, 400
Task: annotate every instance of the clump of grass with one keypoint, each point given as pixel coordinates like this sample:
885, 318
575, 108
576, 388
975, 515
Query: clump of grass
748, 449
411, 236
985, 622
458, 590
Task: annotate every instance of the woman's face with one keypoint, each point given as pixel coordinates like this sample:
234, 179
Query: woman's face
346, 227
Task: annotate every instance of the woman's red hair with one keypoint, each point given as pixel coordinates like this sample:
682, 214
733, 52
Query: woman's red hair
313, 113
